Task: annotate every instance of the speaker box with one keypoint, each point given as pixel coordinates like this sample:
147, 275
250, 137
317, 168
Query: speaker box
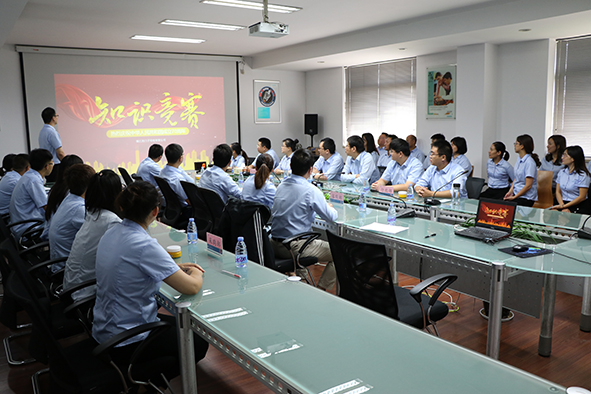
311, 124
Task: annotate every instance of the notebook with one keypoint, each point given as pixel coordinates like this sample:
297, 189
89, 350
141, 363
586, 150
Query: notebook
494, 221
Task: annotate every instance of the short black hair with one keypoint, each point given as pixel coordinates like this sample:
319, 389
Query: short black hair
20, 162
78, 177
357, 142
7, 162
222, 154
265, 142
460, 143
437, 136
392, 136
301, 162
155, 151
47, 114
400, 145
328, 143
102, 191
443, 149
38, 158
173, 153
137, 200
447, 75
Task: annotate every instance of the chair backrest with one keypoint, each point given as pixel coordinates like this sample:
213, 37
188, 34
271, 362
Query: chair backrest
203, 217
364, 276
545, 196
474, 187
173, 209
381, 170
126, 176
214, 203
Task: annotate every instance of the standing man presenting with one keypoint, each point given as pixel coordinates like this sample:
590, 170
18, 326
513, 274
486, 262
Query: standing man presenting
50, 139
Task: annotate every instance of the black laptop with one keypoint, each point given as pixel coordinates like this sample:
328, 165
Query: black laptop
494, 221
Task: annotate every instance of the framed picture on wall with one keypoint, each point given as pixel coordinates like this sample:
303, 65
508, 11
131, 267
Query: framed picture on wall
441, 92
267, 101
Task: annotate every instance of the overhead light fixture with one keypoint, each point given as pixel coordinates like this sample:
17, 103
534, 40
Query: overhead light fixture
168, 39
253, 5
524, 30
202, 25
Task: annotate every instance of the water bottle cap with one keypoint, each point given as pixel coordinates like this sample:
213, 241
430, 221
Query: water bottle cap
456, 185
240, 239
191, 219
391, 204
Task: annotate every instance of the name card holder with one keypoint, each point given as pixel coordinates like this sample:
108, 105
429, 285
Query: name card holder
336, 197
387, 190
215, 245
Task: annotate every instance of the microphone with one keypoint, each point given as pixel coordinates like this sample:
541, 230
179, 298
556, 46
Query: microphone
406, 212
582, 233
431, 200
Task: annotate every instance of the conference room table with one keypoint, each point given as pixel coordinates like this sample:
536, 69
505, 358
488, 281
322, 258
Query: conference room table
295, 338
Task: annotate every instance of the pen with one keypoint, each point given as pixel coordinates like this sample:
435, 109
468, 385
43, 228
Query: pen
232, 274
430, 235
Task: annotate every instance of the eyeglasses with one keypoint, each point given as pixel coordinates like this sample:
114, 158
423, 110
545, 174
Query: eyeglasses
434, 154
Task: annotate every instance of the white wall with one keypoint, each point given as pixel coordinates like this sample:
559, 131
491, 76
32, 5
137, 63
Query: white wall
12, 119
293, 108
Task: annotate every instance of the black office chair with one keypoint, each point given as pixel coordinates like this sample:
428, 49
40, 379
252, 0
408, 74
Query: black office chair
381, 169
172, 215
364, 275
126, 177
203, 217
214, 204
474, 187
136, 177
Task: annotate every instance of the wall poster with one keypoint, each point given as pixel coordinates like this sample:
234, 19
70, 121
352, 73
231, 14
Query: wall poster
267, 102
441, 92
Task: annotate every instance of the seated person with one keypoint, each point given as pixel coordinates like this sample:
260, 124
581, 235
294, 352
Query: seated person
101, 215
20, 165
500, 172
439, 178
149, 166
287, 148
29, 200
329, 165
264, 146
174, 174
259, 188
7, 164
59, 190
459, 148
572, 183
524, 190
403, 170
239, 156
382, 146
385, 159
296, 203
370, 146
130, 268
215, 177
69, 217
434, 137
553, 159
360, 166
414, 149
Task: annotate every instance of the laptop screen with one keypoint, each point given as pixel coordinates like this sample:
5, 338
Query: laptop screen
496, 214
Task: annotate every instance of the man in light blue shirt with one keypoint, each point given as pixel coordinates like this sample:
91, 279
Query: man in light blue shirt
414, 149
174, 174
434, 137
149, 166
50, 139
385, 158
296, 204
437, 181
359, 167
20, 165
383, 144
403, 170
29, 199
264, 146
215, 177
329, 165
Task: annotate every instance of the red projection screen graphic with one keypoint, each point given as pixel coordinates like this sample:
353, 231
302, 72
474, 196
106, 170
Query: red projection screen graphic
111, 120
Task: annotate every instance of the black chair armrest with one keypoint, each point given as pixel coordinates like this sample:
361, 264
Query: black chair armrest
446, 279
34, 249
34, 221
76, 306
48, 263
309, 236
102, 350
67, 294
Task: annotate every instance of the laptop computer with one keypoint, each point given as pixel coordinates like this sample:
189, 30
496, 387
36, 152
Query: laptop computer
494, 221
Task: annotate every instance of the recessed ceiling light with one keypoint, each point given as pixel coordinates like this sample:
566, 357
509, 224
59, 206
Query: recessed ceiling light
168, 39
253, 5
524, 30
402, 49
203, 25
320, 61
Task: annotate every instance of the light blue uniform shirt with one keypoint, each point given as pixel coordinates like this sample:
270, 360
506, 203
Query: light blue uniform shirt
27, 201
65, 223
570, 182
216, 179
50, 139
285, 163
7, 185
426, 162
364, 166
174, 176
130, 268
296, 204
397, 174
384, 160
147, 169
526, 168
272, 153
264, 195
435, 179
418, 154
500, 175
382, 151
238, 162
331, 168
463, 162
550, 166
375, 156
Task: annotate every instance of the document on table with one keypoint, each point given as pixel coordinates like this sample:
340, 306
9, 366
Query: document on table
384, 228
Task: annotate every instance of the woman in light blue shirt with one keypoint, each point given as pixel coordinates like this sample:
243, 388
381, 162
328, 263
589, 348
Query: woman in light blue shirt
572, 182
239, 156
287, 148
553, 159
500, 172
259, 188
524, 190
130, 268
370, 147
459, 148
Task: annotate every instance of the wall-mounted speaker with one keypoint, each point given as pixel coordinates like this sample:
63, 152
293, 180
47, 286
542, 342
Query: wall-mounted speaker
311, 124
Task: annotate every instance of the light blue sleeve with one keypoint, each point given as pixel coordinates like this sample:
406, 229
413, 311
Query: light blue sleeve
54, 140
367, 168
530, 170
415, 172
335, 169
232, 188
425, 179
583, 180
321, 207
38, 195
347, 176
510, 171
156, 262
319, 163
388, 172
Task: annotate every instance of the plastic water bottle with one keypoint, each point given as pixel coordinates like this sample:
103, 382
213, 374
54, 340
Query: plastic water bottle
410, 193
362, 202
455, 194
392, 215
241, 254
192, 239
240, 179
365, 186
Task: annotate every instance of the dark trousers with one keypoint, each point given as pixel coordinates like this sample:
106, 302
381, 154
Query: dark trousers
495, 194
524, 202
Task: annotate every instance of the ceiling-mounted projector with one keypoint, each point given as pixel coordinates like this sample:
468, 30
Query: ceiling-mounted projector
268, 29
